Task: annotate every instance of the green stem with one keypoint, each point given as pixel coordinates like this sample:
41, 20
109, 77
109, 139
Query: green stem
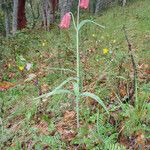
78, 78
78, 13
73, 21
78, 66
78, 57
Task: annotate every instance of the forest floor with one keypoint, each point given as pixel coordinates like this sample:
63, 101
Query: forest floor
107, 70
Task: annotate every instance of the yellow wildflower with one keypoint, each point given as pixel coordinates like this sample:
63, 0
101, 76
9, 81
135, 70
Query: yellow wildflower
43, 44
105, 51
21, 68
93, 35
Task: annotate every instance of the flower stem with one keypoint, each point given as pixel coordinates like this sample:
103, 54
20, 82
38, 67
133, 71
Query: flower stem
78, 66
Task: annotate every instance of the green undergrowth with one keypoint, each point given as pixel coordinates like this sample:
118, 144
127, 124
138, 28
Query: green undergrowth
27, 122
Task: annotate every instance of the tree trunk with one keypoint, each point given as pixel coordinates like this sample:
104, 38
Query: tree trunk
122, 2
97, 6
7, 22
65, 6
102, 4
6, 9
54, 4
44, 14
15, 14
35, 15
48, 12
22, 22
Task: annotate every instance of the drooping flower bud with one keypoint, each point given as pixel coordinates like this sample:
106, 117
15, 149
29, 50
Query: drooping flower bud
84, 4
65, 22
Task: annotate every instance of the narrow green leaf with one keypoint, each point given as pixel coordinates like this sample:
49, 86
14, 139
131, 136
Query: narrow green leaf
96, 98
54, 92
60, 92
88, 21
56, 89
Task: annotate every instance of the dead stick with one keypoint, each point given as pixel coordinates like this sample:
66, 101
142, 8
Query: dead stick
133, 64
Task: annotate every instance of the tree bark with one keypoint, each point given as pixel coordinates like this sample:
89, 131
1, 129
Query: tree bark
54, 4
7, 22
102, 4
48, 14
48, 7
65, 6
7, 10
35, 15
44, 14
122, 2
15, 15
22, 22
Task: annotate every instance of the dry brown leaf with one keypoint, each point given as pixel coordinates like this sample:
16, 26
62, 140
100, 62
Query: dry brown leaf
140, 140
43, 128
69, 115
66, 125
68, 135
45, 88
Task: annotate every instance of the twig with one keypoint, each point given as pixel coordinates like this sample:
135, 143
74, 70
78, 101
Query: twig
133, 65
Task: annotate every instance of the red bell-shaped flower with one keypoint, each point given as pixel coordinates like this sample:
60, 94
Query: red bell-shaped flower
65, 22
84, 4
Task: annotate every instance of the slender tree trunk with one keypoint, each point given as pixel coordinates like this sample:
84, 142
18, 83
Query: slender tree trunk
7, 22
6, 9
97, 6
102, 4
35, 15
65, 6
124, 2
22, 22
15, 15
44, 14
62, 7
48, 12
54, 5
48, 15
92, 6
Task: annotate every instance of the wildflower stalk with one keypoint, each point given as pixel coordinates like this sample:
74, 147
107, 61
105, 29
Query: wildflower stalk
78, 26
65, 23
78, 66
